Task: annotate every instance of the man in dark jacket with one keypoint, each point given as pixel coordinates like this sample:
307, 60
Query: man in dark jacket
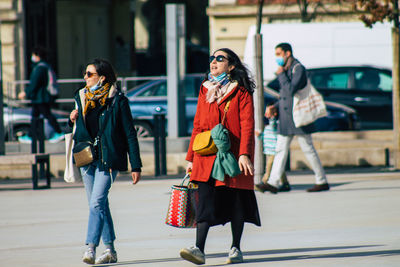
292, 77
41, 99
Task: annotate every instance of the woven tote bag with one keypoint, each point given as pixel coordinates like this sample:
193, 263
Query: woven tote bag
181, 209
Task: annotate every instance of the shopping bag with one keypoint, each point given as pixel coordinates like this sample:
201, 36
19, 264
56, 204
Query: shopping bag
71, 173
308, 106
181, 209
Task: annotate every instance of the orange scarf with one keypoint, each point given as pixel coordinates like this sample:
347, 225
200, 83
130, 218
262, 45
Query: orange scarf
100, 95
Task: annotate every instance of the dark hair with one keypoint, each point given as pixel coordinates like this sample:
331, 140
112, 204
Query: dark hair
40, 51
285, 47
240, 73
104, 68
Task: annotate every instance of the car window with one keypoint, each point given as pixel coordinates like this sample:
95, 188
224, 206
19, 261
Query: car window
330, 79
386, 83
158, 89
189, 87
368, 79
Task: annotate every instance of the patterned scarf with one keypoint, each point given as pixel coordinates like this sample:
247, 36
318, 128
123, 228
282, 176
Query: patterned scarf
100, 95
217, 89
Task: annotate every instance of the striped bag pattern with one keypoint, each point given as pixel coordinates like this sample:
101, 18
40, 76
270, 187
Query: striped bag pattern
180, 210
270, 136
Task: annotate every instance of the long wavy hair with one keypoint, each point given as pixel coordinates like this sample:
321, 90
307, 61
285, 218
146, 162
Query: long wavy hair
240, 73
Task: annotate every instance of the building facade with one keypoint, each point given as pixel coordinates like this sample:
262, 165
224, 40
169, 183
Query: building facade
128, 33
230, 20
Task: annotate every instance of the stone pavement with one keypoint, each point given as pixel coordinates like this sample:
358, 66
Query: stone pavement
357, 223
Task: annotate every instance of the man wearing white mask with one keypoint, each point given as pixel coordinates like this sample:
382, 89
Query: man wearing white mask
292, 77
41, 99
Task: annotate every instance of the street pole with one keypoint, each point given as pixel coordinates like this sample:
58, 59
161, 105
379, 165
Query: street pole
2, 135
396, 85
175, 32
259, 99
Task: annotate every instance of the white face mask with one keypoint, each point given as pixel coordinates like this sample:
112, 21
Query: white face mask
34, 59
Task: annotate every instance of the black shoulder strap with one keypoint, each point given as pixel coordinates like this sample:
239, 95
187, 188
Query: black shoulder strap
103, 126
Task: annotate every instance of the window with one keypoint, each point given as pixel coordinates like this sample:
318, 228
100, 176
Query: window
330, 79
338, 80
386, 83
368, 79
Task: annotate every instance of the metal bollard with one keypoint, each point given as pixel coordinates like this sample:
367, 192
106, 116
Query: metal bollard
38, 137
160, 152
37, 132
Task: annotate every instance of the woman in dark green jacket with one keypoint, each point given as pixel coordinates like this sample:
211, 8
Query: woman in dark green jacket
97, 100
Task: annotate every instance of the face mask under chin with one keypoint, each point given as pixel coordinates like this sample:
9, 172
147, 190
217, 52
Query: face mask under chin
96, 86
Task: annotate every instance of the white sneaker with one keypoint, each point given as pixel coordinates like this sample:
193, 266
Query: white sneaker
108, 256
193, 254
235, 256
89, 256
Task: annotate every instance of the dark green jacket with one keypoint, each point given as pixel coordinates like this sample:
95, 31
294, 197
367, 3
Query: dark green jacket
37, 88
119, 137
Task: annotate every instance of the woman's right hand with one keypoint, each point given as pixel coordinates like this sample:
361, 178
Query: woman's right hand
189, 167
74, 115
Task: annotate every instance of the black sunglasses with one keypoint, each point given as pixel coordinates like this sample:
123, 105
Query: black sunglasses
219, 58
89, 74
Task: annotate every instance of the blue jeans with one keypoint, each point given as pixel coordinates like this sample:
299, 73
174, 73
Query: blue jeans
97, 184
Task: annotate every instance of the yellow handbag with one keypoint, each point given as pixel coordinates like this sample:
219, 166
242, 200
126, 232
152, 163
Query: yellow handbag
203, 143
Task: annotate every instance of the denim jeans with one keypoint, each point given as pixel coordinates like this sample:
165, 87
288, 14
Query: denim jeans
97, 184
282, 151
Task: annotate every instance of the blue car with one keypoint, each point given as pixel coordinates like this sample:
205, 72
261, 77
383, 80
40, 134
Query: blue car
150, 98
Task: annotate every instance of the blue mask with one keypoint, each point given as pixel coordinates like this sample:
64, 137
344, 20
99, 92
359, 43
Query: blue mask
219, 77
96, 86
280, 61
33, 59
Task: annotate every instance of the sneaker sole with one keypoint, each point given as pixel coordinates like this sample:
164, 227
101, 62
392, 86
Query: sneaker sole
190, 257
233, 261
88, 261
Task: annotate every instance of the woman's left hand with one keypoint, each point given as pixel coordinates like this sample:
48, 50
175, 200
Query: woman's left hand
135, 177
245, 165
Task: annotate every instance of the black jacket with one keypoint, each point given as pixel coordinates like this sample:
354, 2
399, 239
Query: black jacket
119, 137
37, 88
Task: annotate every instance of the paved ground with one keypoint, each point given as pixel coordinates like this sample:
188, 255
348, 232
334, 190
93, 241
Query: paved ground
357, 223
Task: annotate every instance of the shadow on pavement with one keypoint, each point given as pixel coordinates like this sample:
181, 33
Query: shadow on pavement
278, 251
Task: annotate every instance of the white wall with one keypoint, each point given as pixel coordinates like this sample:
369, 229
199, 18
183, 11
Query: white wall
323, 44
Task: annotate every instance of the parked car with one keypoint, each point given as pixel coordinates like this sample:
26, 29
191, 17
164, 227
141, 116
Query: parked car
151, 98
367, 89
17, 121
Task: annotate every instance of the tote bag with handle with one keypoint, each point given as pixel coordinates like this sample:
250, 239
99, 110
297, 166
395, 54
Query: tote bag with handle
308, 106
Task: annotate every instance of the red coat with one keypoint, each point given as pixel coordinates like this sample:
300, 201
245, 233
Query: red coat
240, 123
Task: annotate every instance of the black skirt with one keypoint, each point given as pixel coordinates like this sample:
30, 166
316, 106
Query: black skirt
219, 204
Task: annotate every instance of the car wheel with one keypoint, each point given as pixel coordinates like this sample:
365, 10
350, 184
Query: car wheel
143, 129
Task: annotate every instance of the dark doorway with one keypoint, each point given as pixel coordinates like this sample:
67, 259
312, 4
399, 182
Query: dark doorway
40, 29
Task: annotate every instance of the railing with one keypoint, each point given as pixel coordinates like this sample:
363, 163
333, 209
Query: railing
12, 101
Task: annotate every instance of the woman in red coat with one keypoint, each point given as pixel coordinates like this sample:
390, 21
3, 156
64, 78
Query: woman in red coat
233, 199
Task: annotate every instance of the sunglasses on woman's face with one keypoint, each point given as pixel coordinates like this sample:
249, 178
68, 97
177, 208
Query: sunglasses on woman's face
219, 58
89, 74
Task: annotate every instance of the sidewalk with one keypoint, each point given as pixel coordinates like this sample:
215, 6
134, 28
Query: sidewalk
357, 223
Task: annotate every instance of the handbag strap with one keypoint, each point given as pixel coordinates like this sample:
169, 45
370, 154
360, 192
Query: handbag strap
226, 110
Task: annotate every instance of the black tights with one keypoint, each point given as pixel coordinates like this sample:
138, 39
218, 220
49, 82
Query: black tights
237, 225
